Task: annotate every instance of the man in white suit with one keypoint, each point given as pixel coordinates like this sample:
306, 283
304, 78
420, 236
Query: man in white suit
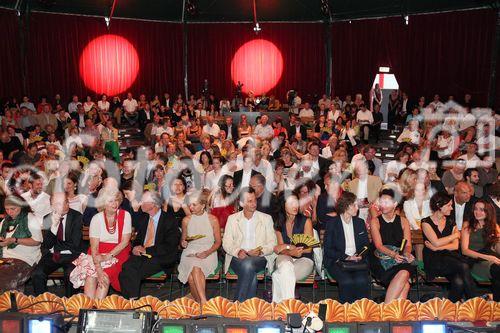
249, 240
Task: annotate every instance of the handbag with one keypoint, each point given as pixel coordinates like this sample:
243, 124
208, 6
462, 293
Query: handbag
353, 266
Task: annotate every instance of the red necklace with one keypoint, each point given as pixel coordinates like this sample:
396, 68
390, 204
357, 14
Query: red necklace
111, 229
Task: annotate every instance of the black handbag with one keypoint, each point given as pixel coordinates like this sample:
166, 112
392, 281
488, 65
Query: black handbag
353, 266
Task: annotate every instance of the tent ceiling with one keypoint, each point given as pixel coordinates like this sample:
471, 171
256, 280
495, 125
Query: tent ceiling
241, 10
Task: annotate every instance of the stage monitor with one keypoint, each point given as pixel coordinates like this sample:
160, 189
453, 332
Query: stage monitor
340, 328
11, 322
236, 329
43, 324
433, 327
405, 327
375, 327
270, 327
115, 321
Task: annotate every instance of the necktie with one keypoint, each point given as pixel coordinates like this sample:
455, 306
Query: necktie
150, 234
56, 256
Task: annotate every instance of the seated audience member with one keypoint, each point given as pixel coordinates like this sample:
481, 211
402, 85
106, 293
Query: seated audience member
266, 201
110, 232
20, 239
38, 200
441, 257
454, 175
364, 117
345, 238
199, 258
223, 200
472, 178
293, 263
155, 247
417, 206
391, 264
62, 244
410, 134
480, 241
462, 203
249, 240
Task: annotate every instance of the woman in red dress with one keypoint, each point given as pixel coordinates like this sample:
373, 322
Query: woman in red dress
110, 232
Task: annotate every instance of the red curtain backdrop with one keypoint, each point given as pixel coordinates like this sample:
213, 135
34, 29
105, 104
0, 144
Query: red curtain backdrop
211, 48
10, 60
57, 41
446, 53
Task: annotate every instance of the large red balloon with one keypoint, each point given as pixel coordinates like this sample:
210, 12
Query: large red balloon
109, 64
257, 64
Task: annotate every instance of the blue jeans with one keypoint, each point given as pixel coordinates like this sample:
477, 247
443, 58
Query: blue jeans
247, 270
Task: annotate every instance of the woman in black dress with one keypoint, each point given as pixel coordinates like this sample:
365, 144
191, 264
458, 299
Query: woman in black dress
391, 268
177, 203
441, 257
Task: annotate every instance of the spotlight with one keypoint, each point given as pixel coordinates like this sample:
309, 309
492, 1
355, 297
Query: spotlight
257, 28
407, 18
107, 20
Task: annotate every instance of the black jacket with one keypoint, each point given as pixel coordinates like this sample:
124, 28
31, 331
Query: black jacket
234, 131
334, 243
72, 234
293, 130
167, 237
238, 176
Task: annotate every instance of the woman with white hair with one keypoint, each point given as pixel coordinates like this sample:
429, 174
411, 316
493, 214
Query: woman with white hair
109, 233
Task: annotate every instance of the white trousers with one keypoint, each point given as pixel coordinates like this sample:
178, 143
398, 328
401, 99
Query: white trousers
288, 271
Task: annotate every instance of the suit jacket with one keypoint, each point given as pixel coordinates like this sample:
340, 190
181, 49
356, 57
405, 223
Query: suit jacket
374, 185
238, 176
293, 130
334, 242
324, 165
264, 236
143, 119
76, 116
234, 131
468, 209
72, 234
267, 203
44, 119
167, 237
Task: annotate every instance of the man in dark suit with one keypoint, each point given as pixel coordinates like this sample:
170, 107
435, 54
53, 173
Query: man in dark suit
266, 201
463, 201
242, 177
145, 117
80, 116
230, 129
155, 247
296, 127
61, 244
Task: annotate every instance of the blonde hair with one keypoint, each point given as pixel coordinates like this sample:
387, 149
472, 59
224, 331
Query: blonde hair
105, 195
200, 196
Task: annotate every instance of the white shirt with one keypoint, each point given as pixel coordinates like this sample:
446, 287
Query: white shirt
365, 117
413, 136
103, 105
326, 152
78, 203
333, 115
29, 254
459, 215
54, 228
40, 205
130, 105
266, 169
412, 213
245, 178
350, 243
212, 130
98, 228
362, 189
264, 132
471, 162
467, 121
307, 113
28, 105
72, 107
248, 242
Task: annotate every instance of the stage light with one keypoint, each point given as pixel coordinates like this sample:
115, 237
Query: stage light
109, 64
433, 327
407, 18
384, 69
258, 64
106, 19
409, 327
257, 28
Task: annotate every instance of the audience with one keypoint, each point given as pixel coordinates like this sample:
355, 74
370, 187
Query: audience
59, 160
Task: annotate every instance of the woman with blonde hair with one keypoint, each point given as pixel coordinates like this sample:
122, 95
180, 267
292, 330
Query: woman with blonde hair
199, 258
110, 232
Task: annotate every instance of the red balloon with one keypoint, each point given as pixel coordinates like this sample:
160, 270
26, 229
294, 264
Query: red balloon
109, 64
257, 64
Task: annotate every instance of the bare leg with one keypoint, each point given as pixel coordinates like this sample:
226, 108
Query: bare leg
419, 250
397, 285
90, 287
192, 287
404, 292
102, 289
199, 281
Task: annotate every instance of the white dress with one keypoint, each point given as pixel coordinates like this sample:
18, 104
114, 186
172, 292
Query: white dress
198, 225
